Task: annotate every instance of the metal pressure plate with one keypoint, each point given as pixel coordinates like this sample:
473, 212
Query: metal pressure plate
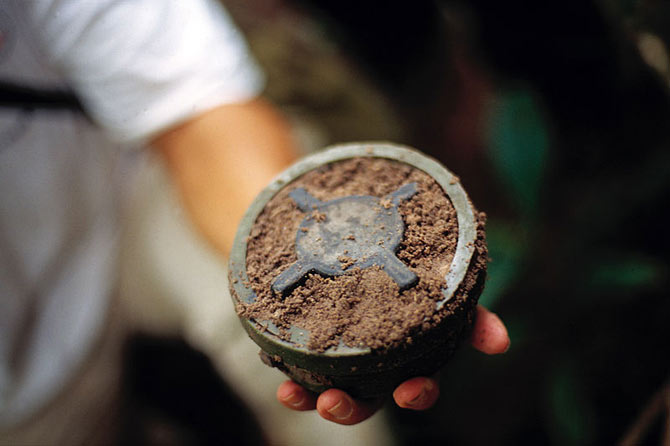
350, 232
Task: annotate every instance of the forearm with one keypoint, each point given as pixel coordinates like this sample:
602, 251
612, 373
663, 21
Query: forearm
220, 160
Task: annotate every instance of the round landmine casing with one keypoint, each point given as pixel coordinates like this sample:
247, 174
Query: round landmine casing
361, 371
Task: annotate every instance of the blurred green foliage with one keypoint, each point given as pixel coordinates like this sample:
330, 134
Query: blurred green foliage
623, 273
571, 412
506, 250
518, 147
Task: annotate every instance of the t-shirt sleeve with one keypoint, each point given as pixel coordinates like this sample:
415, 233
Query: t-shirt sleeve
141, 66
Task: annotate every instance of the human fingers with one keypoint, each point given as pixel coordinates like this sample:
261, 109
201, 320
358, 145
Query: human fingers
295, 397
337, 406
489, 334
418, 393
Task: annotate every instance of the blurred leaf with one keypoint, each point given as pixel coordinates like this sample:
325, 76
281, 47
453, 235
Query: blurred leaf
625, 272
518, 144
506, 248
571, 415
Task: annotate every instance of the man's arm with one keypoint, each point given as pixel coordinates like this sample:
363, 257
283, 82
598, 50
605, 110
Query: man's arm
221, 160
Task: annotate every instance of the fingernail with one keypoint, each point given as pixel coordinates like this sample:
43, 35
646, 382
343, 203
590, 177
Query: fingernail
342, 410
419, 399
293, 399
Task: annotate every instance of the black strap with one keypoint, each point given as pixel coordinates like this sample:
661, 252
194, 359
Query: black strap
23, 97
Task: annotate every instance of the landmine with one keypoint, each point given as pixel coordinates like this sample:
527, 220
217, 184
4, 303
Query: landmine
359, 267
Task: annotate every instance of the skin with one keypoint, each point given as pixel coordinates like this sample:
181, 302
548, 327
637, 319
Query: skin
219, 161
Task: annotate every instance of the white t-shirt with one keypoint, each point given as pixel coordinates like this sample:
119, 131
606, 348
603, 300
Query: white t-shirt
139, 66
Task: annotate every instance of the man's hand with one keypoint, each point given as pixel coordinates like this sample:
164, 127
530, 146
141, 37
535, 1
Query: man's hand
219, 161
489, 336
